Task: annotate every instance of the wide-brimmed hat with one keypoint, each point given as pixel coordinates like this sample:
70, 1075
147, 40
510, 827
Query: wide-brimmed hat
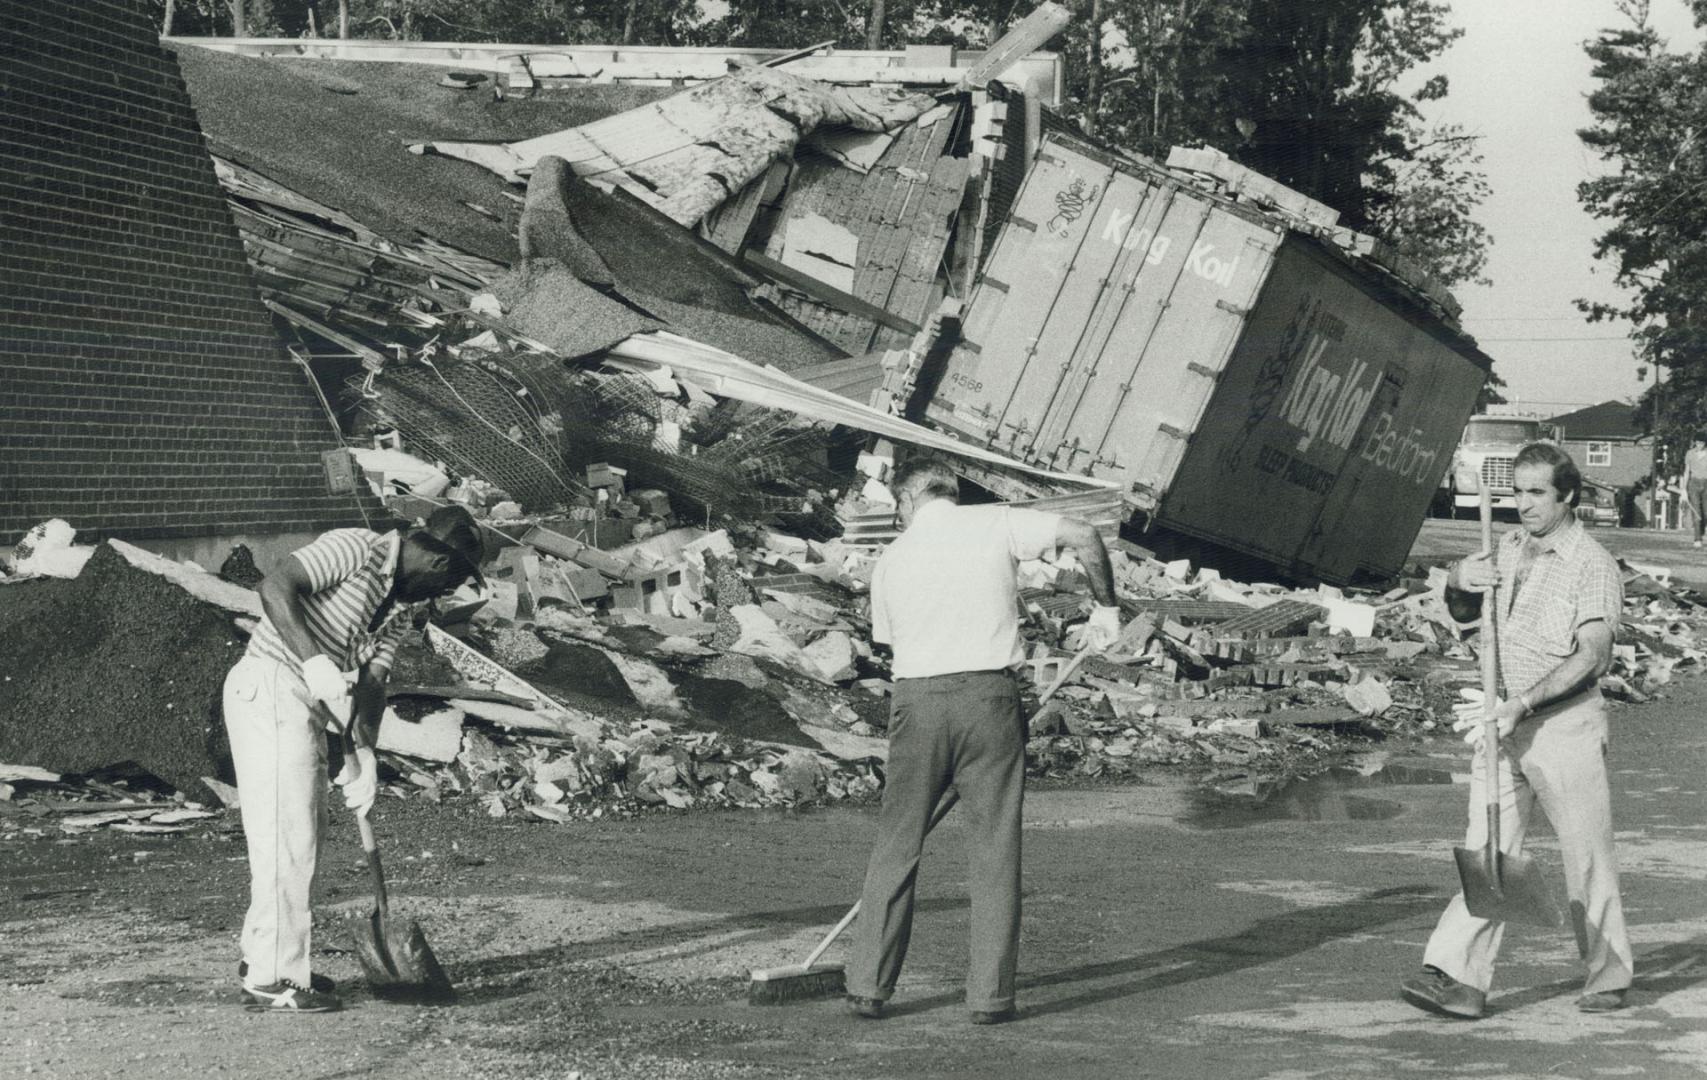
453, 531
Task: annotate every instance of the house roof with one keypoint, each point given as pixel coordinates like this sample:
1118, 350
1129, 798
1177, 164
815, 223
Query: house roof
339, 134
1608, 420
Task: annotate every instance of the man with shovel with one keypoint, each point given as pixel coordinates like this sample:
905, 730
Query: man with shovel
1561, 598
340, 604
945, 598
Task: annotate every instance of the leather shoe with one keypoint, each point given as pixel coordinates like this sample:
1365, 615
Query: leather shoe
1433, 990
993, 1016
1602, 1001
866, 1008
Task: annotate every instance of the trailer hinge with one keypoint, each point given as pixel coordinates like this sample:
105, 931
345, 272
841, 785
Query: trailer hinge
1174, 432
1021, 223
1234, 309
990, 282
1202, 369
971, 347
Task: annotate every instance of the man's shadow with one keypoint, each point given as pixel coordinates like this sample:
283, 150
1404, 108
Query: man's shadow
1262, 942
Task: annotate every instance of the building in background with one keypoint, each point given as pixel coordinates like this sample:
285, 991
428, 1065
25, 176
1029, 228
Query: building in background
145, 393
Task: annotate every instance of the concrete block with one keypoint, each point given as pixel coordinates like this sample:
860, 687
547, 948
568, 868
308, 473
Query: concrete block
437, 736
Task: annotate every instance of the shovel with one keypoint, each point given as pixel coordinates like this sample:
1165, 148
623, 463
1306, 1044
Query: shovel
394, 954
1498, 886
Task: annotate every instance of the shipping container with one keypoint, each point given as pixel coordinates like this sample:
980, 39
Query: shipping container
1244, 377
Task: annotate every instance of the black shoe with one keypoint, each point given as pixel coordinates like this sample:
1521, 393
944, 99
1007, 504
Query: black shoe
1602, 1001
286, 996
317, 982
1433, 990
994, 1016
865, 1008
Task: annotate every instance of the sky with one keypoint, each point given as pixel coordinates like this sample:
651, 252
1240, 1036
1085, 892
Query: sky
1519, 78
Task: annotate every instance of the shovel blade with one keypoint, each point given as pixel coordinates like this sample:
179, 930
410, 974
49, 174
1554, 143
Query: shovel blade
398, 962
1516, 892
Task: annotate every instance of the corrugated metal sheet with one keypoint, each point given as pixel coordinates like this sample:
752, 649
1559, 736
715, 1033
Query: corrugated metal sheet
1104, 316
900, 212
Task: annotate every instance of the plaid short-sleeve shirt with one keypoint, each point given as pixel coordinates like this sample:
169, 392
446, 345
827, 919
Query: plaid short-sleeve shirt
349, 575
1572, 581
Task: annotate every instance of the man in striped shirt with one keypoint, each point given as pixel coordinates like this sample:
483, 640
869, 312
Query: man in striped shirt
1561, 600
340, 604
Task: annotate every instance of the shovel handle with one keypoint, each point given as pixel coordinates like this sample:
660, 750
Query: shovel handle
375, 871
1489, 651
370, 845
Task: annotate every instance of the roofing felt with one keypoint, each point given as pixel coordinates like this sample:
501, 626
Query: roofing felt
1608, 420
339, 133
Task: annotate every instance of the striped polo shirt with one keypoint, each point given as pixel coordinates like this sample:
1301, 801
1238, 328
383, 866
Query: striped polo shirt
349, 574
1572, 581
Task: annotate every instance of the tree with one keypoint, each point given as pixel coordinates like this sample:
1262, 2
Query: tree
1650, 118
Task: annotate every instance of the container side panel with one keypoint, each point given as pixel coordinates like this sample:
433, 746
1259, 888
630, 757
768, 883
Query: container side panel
1173, 339
1329, 429
1027, 274
1078, 326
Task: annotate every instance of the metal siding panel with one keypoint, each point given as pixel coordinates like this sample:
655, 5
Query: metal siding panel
1314, 418
1084, 287
1177, 371
1003, 326
1184, 312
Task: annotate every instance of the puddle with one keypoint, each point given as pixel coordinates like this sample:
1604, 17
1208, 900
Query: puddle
1349, 792
1341, 793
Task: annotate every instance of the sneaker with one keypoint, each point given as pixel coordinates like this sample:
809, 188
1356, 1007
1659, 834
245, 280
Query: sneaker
1433, 990
865, 1008
317, 982
290, 997
1602, 1001
994, 1016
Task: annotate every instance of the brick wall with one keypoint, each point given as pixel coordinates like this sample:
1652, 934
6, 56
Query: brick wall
143, 392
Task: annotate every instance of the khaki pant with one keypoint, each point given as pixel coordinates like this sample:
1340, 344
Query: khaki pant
1561, 764
280, 756
964, 730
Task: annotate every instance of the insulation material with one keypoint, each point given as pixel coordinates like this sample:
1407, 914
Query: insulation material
687, 154
815, 245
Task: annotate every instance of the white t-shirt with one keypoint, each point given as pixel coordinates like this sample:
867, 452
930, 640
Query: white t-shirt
944, 595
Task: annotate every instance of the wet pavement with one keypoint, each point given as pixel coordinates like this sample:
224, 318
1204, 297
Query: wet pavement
1248, 927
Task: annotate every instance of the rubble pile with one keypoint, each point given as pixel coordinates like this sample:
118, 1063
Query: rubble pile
734, 667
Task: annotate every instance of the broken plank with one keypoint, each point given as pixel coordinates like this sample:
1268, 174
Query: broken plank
827, 294
469, 693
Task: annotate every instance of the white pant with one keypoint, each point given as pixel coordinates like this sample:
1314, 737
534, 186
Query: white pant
280, 756
1561, 764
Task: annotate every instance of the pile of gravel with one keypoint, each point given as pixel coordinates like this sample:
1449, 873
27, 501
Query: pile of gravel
117, 665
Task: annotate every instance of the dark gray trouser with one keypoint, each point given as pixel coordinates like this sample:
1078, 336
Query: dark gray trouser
1697, 494
965, 730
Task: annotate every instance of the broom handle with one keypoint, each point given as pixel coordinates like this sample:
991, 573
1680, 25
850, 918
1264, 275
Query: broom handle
1490, 695
943, 806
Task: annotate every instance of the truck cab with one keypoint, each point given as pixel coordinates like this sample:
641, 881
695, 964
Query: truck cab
1485, 456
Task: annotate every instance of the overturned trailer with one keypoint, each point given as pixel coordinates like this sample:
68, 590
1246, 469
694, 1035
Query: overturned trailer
1251, 378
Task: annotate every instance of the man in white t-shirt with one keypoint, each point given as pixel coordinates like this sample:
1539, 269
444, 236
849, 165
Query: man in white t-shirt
945, 598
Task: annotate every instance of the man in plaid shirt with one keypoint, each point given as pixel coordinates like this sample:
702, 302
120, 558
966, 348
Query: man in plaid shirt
1562, 598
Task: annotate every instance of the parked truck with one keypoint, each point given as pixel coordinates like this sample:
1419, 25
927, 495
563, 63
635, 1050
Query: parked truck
1248, 376
1484, 456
